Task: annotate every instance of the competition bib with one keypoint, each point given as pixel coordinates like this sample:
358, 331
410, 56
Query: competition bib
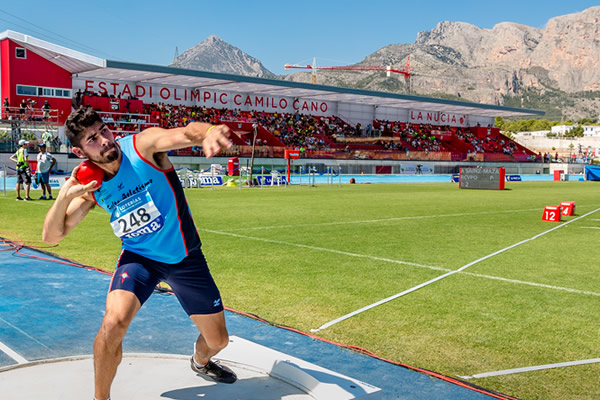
136, 216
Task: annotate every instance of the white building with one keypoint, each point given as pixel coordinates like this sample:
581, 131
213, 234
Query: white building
591, 130
588, 130
561, 129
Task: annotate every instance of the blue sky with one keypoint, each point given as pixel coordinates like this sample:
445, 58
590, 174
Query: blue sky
275, 32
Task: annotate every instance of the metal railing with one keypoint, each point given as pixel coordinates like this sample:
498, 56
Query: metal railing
141, 121
30, 114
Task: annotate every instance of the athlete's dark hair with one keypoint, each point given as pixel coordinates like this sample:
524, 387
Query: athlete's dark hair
78, 121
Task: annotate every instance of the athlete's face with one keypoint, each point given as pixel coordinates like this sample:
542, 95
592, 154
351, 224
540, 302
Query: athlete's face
98, 144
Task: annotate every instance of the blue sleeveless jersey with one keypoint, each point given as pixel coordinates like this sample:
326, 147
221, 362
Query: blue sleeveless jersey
149, 212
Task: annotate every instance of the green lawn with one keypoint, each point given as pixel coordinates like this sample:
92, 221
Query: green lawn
303, 256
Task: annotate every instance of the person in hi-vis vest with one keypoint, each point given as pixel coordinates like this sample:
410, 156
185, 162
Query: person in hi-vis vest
23, 175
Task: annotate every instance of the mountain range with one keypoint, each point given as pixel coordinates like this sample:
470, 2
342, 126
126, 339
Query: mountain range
555, 68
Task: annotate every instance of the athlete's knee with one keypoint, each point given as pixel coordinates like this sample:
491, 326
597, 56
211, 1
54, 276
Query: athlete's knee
218, 342
114, 327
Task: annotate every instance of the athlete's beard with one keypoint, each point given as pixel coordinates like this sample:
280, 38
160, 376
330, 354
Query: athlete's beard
105, 158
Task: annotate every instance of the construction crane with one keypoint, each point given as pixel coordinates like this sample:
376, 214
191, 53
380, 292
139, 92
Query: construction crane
388, 70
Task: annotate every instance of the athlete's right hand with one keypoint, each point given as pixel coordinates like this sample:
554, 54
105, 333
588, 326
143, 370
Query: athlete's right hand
73, 188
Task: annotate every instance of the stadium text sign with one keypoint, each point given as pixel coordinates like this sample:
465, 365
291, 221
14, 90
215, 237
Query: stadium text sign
202, 180
481, 178
513, 178
437, 118
209, 98
270, 180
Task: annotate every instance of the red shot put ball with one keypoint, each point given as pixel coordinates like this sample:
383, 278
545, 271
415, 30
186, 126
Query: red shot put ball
88, 171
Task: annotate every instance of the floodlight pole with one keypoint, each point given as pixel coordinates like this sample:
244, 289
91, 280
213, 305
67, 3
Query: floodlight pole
255, 127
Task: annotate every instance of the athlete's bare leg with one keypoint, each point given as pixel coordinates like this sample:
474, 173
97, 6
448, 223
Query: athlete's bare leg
213, 335
121, 307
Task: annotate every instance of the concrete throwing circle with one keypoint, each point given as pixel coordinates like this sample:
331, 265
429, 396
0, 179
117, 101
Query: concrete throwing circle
139, 377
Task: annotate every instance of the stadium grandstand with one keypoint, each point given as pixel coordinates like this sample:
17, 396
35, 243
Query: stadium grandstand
42, 82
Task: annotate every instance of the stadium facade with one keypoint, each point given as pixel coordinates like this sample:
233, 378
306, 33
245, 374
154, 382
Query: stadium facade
32, 68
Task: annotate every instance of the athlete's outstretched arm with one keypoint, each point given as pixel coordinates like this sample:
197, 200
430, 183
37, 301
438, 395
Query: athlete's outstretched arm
212, 138
71, 206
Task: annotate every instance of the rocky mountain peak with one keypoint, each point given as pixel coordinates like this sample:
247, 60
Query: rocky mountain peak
214, 54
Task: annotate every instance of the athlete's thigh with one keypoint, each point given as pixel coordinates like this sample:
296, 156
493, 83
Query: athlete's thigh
121, 307
194, 286
134, 274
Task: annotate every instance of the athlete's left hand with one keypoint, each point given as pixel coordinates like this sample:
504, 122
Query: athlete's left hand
216, 139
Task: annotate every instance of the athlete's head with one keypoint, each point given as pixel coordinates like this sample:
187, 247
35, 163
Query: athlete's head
90, 137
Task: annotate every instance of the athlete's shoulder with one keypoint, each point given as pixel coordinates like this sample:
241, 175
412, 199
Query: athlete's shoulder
125, 139
127, 144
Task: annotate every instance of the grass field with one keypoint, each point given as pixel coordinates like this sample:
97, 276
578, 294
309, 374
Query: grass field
303, 256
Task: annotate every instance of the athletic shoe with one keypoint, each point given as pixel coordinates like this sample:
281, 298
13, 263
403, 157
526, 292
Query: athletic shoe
50, 198
19, 199
215, 371
42, 198
28, 199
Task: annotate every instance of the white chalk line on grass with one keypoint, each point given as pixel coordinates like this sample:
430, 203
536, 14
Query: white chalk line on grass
533, 368
542, 285
280, 242
448, 271
345, 253
370, 221
352, 314
589, 227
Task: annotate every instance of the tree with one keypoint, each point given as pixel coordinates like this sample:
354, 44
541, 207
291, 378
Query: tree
541, 125
499, 123
575, 132
587, 121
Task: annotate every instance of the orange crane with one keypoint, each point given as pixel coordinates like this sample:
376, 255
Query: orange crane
388, 70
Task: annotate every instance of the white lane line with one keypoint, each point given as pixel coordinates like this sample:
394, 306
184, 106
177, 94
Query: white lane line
589, 227
533, 368
23, 333
542, 285
370, 221
429, 282
13, 354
